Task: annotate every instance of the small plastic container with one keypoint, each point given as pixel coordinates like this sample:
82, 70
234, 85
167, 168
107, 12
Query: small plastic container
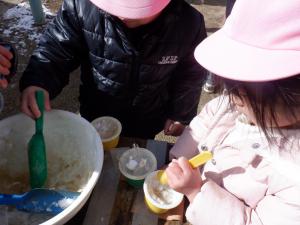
158, 197
135, 164
109, 129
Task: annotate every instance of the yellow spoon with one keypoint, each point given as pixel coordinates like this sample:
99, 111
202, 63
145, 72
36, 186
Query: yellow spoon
195, 162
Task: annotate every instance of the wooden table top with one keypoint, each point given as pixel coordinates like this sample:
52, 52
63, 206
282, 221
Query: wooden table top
114, 202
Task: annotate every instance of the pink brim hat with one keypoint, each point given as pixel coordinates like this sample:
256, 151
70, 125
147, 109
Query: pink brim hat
253, 45
132, 9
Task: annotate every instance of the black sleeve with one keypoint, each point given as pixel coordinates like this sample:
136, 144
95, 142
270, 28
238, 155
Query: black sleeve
57, 54
187, 82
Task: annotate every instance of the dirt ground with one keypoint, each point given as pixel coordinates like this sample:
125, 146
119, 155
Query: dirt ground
213, 11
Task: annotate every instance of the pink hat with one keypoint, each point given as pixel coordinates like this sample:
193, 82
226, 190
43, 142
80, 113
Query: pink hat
132, 9
260, 41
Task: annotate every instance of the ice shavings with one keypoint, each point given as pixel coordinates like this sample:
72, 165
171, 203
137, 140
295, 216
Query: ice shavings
137, 166
131, 164
64, 203
143, 163
50, 206
106, 128
137, 162
162, 194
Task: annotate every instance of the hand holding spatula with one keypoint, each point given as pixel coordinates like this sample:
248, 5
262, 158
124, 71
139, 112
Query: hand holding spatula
195, 162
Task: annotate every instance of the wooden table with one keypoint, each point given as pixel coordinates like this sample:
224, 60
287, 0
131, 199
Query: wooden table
114, 202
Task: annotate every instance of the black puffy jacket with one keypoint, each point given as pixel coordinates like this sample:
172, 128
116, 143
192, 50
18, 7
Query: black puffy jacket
141, 76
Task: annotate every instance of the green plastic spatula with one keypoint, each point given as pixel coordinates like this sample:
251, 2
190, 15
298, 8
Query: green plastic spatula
37, 149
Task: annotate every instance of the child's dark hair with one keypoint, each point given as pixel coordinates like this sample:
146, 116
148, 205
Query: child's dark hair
264, 97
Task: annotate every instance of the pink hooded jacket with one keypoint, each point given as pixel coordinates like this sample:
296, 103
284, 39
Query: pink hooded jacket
251, 181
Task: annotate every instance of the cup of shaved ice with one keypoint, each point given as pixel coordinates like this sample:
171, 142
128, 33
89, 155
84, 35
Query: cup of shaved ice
135, 164
160, 198
109, 129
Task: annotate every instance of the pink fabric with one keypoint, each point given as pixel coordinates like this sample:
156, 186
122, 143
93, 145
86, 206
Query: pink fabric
132, 9
258, 42
243, 187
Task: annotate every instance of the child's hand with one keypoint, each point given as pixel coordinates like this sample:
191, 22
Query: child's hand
28, 102
173, 128
5, 57
183, 178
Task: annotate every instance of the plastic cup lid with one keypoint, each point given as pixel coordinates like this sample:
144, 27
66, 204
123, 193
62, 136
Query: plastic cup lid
137, 163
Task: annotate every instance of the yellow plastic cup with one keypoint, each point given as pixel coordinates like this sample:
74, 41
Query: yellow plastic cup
153, 197
109, 129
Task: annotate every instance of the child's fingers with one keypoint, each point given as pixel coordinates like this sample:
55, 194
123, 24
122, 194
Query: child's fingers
181, 165
4, 62
3, 83
4, 70
25, 108
187, 170
29, 105
174, 167
4, 52
184, 164
34, 107
168, 125
174, 171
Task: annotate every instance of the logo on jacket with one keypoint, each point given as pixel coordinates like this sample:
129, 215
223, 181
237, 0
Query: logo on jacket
172, 59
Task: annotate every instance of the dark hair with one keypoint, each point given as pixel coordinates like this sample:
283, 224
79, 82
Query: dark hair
265, 97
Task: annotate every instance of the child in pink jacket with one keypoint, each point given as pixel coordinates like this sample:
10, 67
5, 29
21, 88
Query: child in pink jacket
253, 129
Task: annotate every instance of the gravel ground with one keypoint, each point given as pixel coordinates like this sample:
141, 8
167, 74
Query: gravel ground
213, 11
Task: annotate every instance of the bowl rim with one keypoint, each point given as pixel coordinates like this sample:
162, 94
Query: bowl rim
77, 204
142, 176
116, 121
68, 213
156, 204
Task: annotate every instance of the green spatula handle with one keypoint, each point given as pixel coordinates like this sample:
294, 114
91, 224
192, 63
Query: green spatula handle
37, 149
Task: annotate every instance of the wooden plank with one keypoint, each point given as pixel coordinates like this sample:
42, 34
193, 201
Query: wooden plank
141, 214
116, 154
103, 196
160, 150
121, 214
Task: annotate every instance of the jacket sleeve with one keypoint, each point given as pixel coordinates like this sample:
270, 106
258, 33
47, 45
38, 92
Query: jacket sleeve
213, 205
57, 53
187, 144
187, 82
